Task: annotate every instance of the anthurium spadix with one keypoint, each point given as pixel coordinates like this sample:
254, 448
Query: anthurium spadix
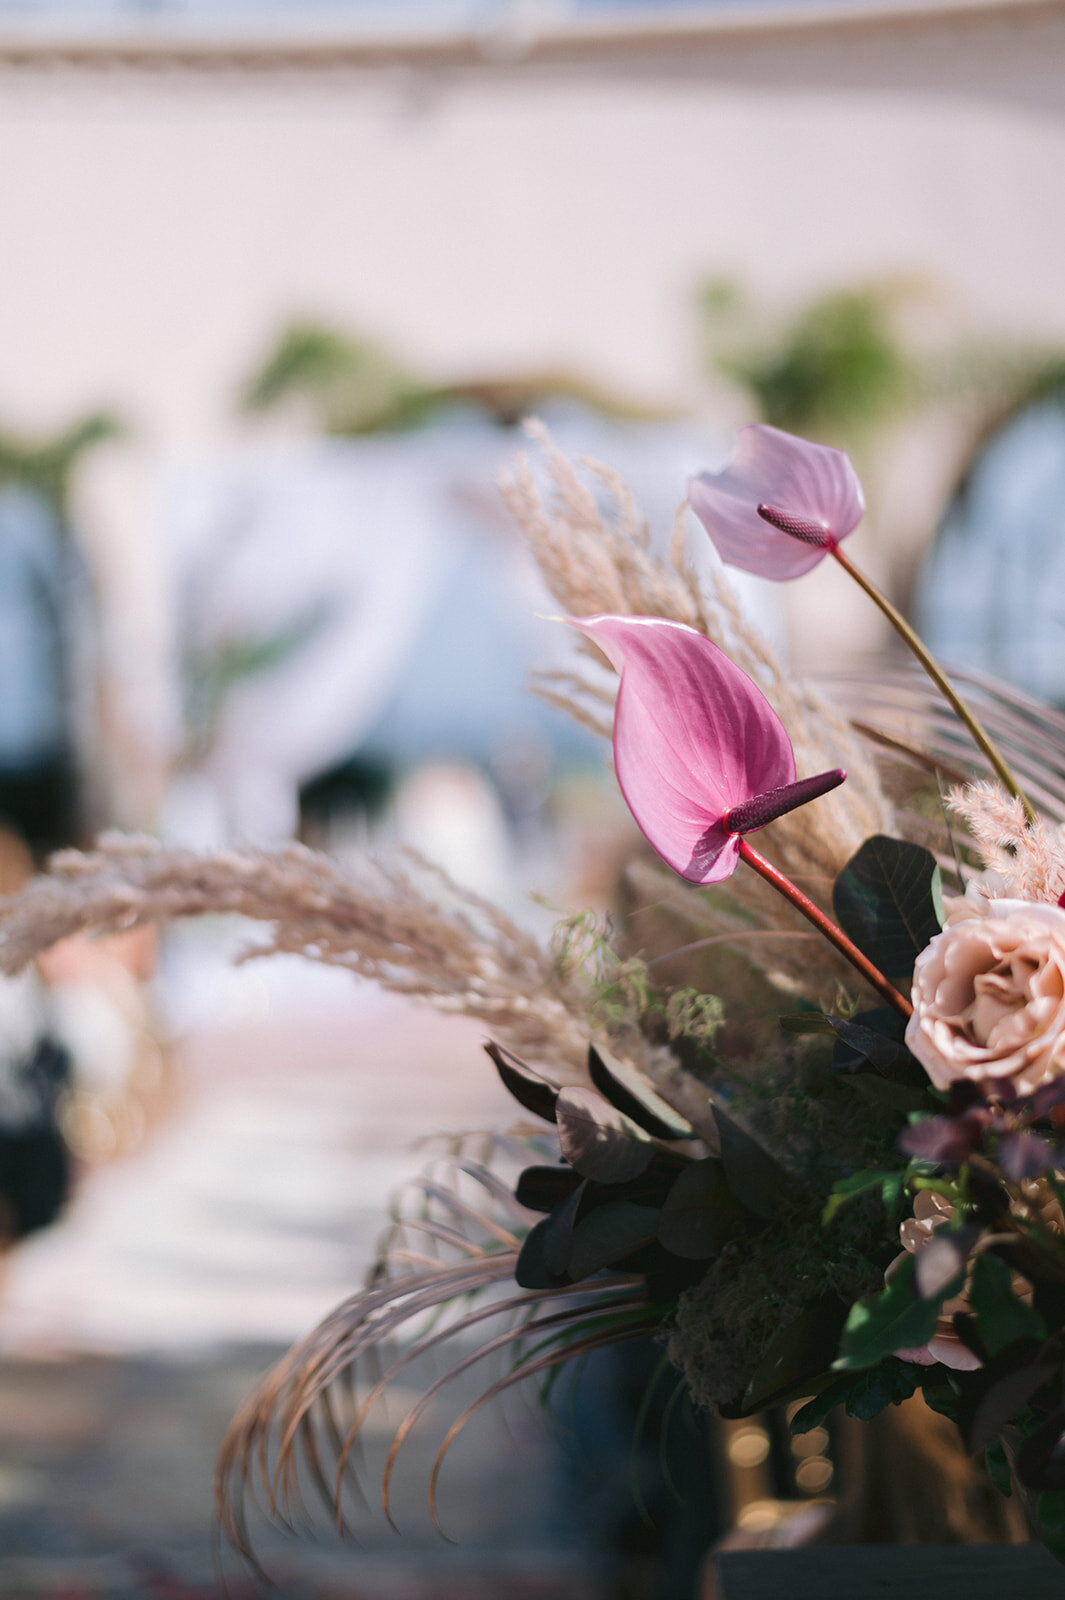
701, 757
780, 505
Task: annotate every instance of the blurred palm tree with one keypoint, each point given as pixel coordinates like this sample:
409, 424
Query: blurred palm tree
45, 466
844, 366
353, 385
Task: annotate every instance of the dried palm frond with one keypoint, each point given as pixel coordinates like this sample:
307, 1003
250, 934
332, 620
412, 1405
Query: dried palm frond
894, 704
409, 929
601, 560
310, 1411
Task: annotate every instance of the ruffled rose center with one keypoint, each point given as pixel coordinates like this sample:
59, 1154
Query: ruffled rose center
1000, 990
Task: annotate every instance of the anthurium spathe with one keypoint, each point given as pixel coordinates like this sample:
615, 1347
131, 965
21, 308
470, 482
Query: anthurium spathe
701, 756
780, 505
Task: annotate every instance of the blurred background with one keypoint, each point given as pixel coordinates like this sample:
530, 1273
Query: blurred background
279, 280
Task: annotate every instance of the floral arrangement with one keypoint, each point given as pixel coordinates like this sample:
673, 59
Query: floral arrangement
800, 1113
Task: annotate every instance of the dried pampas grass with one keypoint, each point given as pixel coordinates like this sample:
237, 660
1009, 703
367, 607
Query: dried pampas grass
596, 561
1028, 860
409, 929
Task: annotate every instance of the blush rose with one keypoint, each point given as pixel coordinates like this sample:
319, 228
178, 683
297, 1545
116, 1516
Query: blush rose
989, 999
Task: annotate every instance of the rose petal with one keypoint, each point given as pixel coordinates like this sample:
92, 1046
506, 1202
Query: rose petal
808, 481
693, 736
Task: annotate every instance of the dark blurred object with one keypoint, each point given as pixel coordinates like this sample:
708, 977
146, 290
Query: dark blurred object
354, 790
982, 1572
45, 677
35, 1167
642, 1472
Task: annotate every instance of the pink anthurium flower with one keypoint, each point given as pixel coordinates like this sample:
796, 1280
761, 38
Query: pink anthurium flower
701, 756
780, 505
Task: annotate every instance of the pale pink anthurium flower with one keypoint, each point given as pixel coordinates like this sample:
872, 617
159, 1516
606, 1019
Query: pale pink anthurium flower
701, 757
780, 505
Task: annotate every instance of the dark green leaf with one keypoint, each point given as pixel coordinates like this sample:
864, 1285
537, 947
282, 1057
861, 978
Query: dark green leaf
700, 1214
1050, 1520
599, 1141
864, 1044
1002, 1389
558, 1232
900, 1099
814, 1412
889, 899
536, 1093
543, 1188
609, 1234
889, 1184
800, 1352
998, 1468
1000, 1316
531, 1270
755, 1178
1041, 1458
886, 1385
895, 1319
862, 1394
633, 1095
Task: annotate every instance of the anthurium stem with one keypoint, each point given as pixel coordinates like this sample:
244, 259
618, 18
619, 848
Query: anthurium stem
980, 735
826, 926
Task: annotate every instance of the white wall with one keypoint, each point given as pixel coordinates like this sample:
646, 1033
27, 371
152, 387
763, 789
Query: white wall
156, 228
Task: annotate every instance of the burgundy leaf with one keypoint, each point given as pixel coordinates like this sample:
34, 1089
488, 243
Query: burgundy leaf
1024, 1155
633, 1095
943, 1259
947, 1139
598, 1140
531, 1090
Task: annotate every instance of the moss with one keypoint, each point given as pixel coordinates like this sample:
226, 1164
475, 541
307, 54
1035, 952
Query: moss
760, 1284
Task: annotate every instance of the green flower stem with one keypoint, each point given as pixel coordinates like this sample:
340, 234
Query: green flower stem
825, 926
980, 735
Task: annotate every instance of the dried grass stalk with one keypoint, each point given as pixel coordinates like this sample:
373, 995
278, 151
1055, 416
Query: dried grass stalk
1029, 861
409, 929
601, 561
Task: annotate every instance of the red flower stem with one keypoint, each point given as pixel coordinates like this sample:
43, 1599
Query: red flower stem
980, 735
825, 926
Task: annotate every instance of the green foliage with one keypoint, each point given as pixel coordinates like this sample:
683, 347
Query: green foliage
619, 991
212, 672
797, 1356
45, 466
1001, 1317
862, 1395
353, 385
837, 366
889, 1184
1050, 1521
895, 1319
695, 1016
